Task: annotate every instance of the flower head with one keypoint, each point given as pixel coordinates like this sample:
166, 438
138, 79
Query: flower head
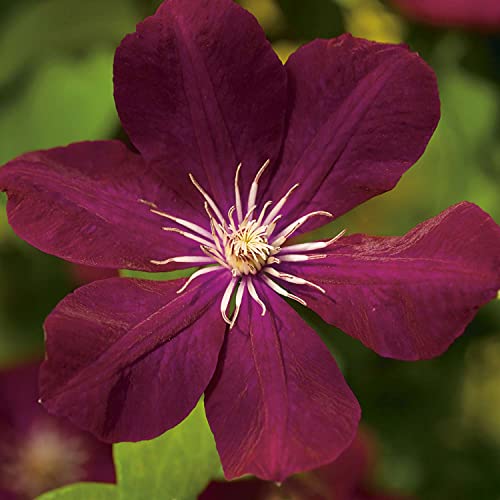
39, 452
238, 153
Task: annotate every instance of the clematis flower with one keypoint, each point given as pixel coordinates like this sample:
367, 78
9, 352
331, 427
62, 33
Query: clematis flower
39, 452
350, 477
238, 154
482, 15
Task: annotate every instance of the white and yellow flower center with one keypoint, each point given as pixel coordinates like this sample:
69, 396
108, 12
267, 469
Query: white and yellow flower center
245, 244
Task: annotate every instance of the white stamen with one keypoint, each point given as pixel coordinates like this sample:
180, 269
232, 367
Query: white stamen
185, 223
254, 295
309, 247
238, 299
209, 200
252, 196
226, 298
301, 257
292, 279
274, 286
189, 259
214, 255
263, 212
242, 244
275, 211
237, 195
291, 228
189, 236
195, 275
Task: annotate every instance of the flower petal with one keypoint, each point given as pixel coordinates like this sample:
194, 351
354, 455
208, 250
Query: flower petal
81, 203
483, 15
409, 297
360, 114
278, 404
129, 359
199, 89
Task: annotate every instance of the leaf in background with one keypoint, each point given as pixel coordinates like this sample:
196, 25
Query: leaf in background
67, 100
176, 466
50, 27
170, 275
84, 491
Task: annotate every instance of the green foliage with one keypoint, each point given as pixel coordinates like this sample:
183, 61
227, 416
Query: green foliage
65, 101
171, 275
87, 491
175, 466
38, 29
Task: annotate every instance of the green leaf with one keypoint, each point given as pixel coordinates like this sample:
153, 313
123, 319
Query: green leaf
67, 100
175, 466
84, 491
52, 27
171, 275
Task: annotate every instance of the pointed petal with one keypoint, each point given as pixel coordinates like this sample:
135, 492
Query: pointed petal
278, 404
409, 297
81, 203
360, 114
129, 359
199, 90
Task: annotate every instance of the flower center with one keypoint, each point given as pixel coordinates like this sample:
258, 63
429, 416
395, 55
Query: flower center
245, 243
247, 249
44, 460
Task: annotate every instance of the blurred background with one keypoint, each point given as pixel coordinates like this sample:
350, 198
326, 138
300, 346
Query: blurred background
437, 422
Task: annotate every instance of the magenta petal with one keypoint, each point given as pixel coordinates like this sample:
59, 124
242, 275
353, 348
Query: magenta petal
199, 89
129, 359
81, 203
409, 297
479, 14
360, 114
278, 404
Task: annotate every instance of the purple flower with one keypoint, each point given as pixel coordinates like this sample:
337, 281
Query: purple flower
224, 129
39, 452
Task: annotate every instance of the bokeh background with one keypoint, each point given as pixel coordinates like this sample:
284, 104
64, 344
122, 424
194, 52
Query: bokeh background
437, 422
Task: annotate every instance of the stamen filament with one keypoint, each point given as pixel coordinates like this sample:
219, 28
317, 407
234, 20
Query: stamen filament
209, 200
184, 258
309, 247
274, 286
237, 194
292, 279
189, 236
213, 254
254, 295
291, 228
275, 211
185, 223
226, 298
301, 257
197, 274
238, 300
252, 196
263, 212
